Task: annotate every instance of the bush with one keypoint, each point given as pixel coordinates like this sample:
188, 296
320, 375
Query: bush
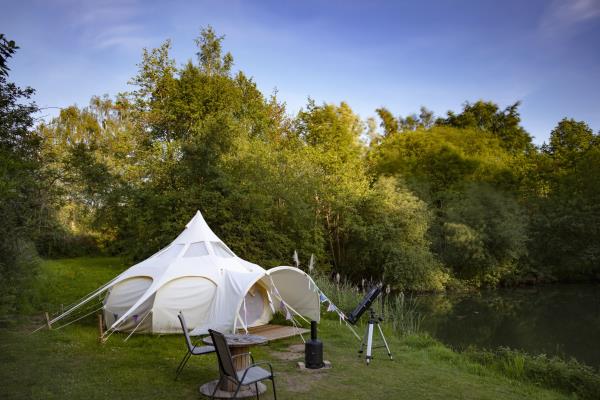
553, 372
18, 267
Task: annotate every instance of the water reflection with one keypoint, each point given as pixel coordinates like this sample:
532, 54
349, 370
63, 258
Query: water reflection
557, 319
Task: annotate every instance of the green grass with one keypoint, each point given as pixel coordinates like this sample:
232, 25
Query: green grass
70, 364
67, 280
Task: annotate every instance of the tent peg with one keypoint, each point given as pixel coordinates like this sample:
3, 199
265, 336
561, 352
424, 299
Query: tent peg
101, 339
48, 324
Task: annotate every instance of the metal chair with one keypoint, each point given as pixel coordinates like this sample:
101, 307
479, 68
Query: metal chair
192, 349
251, 375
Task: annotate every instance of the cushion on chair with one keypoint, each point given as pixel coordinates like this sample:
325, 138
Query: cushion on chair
203, 350
254, 374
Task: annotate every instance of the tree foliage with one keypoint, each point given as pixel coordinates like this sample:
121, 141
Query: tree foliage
21, 193
488, 117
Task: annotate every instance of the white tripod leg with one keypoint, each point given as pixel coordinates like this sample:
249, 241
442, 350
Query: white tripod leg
385, 342
369, 342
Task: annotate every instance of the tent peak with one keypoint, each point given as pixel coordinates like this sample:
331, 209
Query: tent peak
197, 216
197, 230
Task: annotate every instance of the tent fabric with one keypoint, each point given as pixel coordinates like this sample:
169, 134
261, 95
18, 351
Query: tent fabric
256, 308
124, 295
293, 286
191, 295
215, 289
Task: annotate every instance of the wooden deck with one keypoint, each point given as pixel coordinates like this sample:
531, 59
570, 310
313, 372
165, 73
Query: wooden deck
276, 332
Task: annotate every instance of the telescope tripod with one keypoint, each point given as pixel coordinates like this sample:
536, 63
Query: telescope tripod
373, 320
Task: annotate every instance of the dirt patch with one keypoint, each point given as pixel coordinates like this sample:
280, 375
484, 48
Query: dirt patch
293, 352
296, 348
286, 355
298, 382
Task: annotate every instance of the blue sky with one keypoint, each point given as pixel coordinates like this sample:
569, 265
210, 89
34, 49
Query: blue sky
397, 54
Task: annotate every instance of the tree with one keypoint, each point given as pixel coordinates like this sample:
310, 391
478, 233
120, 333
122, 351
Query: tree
410, 123
443, 159
373, 136
392, 125
388, 239
569, 141
21, 190
180, 126
332, 135
426, 117
565, 228
471, 185
389, 123
209, 56
487, 116
484, 235
333, 130
7, 50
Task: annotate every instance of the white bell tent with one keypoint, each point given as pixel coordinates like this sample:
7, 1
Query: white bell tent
200, 276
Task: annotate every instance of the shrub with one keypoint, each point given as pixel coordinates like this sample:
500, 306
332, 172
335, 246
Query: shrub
553, 372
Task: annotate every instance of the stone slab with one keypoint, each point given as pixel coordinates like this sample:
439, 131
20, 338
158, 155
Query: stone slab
302, 366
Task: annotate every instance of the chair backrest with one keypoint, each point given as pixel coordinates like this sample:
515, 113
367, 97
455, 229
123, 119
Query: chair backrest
223, 354
188, 341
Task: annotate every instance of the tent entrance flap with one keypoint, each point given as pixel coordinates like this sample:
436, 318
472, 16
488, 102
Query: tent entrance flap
256, 306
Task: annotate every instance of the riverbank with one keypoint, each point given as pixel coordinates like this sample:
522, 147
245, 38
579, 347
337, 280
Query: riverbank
70, 364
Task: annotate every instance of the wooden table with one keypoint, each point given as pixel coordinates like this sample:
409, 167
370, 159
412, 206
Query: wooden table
238, 344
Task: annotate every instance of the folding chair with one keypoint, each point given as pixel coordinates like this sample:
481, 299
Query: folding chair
192, 349
251, 375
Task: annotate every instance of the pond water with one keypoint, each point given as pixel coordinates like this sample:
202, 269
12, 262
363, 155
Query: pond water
554, 320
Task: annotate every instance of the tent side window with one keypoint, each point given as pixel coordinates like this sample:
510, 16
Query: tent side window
221, 250
170, 253
197, 249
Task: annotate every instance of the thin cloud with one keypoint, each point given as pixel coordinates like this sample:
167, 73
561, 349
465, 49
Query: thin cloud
121, 35
110, 24
564, 17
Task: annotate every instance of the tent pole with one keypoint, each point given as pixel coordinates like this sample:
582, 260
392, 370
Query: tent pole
134, 329
284, 302
90, 297
84, 299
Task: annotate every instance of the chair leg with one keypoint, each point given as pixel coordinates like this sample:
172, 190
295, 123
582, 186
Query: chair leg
274, 392
182, 364
256, 387
237, 389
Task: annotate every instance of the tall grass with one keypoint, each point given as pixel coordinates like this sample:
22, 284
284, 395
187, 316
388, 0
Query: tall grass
568, 376
399, 313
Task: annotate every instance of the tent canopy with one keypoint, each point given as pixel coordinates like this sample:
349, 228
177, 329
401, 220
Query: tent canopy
200, 276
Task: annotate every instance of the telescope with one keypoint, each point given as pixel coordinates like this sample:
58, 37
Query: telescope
374, 320
364, 305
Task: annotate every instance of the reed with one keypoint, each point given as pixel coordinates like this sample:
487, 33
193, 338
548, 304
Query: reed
400, 312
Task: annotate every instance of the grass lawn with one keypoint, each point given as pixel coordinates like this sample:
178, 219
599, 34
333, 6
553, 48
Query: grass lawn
70, 364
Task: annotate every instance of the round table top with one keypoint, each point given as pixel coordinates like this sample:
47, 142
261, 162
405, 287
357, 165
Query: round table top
239, 340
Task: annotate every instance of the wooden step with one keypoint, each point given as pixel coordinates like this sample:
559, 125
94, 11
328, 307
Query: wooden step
276, 332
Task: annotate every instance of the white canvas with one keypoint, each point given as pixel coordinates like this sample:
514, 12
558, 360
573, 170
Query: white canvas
200, 276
